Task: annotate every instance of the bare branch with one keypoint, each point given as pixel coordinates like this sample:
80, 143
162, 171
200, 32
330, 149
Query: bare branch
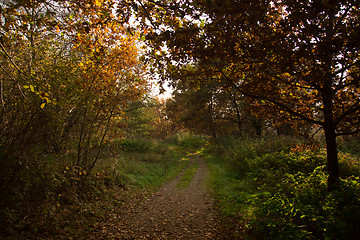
348, 133
8, 55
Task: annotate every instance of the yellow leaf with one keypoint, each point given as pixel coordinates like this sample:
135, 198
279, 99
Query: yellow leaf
32, 88
47, 100
97, 3
42, 105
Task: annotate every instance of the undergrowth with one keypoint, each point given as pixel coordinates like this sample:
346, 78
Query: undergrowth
55, 200
276, 189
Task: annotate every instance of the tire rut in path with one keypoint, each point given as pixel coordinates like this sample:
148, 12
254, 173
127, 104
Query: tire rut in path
173, 213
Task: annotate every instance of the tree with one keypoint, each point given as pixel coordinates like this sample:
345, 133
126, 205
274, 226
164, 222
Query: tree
147, 118
162, 126
193, 110
111, 75
209, 108
67, 70
300, 58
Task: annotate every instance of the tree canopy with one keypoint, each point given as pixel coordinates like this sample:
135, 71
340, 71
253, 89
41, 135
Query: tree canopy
68, 71
299, 58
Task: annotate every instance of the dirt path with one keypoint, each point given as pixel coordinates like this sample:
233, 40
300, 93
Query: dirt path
171, 213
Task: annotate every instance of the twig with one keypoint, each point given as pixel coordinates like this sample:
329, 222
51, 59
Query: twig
318, 130
22, 93
12, 78
8, 55
148, 15
17, 84
2, 94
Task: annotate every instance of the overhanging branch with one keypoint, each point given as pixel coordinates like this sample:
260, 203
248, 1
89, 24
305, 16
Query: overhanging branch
265, 98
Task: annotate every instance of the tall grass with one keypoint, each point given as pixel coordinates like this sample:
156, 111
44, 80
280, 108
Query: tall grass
276, 189
59, 202
142, 164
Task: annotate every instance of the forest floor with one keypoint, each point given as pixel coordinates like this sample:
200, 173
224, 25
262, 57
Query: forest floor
169, 213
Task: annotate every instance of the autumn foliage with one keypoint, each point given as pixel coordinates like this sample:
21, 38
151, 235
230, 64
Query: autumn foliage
68, 71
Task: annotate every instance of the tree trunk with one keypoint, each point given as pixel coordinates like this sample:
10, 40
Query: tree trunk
332, 157
330, 137
257, 124
212, 117
238, 115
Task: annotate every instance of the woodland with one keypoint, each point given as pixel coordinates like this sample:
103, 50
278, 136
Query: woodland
264, 93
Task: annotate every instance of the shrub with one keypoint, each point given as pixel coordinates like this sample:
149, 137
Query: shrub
49, 198
172, 139
351, 146
302, 208
136, 145
191, 141
280, 191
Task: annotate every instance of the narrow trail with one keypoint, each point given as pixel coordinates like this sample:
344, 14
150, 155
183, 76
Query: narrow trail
172, 213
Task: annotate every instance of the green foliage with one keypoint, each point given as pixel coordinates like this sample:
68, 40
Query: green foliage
172, 139
251, 147
140, 118
136, 145
230, 192
280, 191
205, 107
191, 141
302, 208
351, 146
187, 140
247, 155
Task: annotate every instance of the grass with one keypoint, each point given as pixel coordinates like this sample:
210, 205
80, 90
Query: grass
271, 188
183, 162
142, 165
127, 170
187, 176
278, 190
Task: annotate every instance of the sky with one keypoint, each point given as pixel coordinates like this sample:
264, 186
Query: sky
155, 91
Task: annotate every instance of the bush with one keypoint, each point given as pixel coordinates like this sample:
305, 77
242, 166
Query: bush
302, 208
280, 191
246, 155
351, 146
133, 145
252, 147
172, 139
349, 164
191, 141
51, 196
